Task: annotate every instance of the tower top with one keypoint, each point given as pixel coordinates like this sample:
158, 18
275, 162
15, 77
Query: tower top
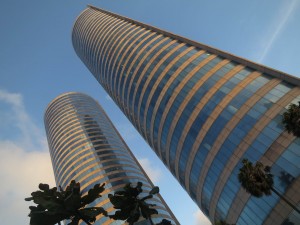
253, 65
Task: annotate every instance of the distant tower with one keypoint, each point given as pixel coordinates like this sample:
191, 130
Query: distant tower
86, 147
201, 110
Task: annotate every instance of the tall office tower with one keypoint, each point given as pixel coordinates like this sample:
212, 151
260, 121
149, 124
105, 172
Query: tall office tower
202, 111
86, 147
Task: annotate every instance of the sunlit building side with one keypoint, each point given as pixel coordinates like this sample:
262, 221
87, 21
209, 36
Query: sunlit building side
85, 146
201, 110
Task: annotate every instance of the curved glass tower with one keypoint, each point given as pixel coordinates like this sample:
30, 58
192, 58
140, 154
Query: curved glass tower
201, 110
86, 147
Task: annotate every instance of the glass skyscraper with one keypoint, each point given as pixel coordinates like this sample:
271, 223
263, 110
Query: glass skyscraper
86, 147
201, 110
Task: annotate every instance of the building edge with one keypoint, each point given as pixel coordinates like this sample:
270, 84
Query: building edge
253, 65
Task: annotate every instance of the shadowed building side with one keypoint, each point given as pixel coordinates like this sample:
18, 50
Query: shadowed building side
86, 147
201, 110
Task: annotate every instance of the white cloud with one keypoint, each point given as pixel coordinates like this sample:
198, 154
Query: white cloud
24, 161
20, 173
19, 119
14, 99
200, 218
154, 174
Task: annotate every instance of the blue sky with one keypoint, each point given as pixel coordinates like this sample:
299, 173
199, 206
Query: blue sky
37, 63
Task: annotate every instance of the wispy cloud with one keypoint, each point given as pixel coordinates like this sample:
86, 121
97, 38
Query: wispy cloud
280, 22
30, 135
24, 162
200, 219
153, 172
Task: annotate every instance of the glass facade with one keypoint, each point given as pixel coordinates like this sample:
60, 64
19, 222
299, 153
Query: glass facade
86, 147
201, 110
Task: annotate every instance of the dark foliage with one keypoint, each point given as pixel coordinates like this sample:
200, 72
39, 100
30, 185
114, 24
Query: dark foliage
291, 119
222, 222
131, 206
256, 179
164, 222
54, 206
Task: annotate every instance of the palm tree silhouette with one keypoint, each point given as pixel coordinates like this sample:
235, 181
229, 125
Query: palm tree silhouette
257, 180
291, 119
131, 206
